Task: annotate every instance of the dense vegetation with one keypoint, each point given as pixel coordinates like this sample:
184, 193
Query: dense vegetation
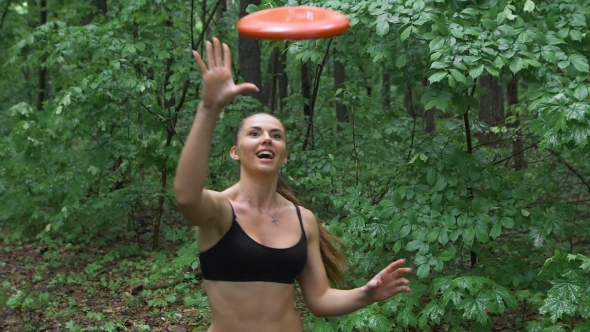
451, 132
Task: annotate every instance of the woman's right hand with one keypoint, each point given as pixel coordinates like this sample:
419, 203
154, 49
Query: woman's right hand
219, 88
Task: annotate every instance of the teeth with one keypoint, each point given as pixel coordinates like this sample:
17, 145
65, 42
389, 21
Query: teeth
265, 154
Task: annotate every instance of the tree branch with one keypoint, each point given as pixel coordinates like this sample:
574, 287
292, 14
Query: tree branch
4, 13
571, 168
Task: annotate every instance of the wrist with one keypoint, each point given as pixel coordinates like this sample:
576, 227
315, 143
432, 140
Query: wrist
209, 111
366, 296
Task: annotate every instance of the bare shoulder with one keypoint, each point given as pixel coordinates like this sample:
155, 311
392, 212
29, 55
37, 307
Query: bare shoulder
310, 223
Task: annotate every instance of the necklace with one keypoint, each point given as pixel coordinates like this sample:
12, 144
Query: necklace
274, 219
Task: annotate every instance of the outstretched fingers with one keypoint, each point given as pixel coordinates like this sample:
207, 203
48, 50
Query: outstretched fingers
210, 55
199, 61
397, 266
226, 57
217, 52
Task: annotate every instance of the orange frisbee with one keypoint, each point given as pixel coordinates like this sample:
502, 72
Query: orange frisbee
293, 23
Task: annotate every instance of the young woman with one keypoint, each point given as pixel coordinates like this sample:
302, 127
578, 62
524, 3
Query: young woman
254, 239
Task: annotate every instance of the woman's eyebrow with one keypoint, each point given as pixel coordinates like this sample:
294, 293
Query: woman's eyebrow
272, 130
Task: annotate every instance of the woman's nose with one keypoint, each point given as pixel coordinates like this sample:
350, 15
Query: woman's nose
266, 138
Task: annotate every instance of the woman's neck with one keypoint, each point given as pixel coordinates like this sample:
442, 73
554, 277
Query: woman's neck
261, 192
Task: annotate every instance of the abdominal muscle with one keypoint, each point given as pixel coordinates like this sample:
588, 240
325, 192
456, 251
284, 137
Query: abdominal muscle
252, 306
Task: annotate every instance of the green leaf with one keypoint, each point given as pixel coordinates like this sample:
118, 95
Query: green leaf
557, 308
458, 76
533, 63
525, 212
431, 176
529, 6
489, 24
405, 231
508, 13
397, 246
400, 61
443, 237
507, 222
438, 76
499, 62
516, 65
438, 65
501, 295
433, 235
406, 33
580, 62
476, 308
436, 44
576, 35
451, 80
493, 71
414, 245
496, 230
481, 231
432, 312
382, 27
440, 26
469, 235
441, 184
423, 271
446, 256
476, 72
252, 8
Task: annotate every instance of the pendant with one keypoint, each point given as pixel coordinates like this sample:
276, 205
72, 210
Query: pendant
275, 220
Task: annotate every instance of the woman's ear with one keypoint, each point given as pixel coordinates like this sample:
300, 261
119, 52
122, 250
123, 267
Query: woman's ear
233, 152
286, 159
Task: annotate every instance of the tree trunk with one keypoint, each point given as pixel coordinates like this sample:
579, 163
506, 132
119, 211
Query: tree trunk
412, 108
491, 107
306, 92
429, 124
269, 92
282, 77
221, 9
518, 147
100, 9
339, 79
42, 83
249, 54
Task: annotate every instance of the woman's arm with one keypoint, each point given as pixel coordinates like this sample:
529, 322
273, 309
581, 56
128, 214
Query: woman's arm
324, 301
200, 206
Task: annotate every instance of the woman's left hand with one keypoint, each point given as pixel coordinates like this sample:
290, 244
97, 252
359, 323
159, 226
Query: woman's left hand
389, 282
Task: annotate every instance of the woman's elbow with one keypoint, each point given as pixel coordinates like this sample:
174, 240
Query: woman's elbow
317, 309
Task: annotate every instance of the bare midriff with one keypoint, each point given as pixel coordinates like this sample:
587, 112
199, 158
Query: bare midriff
252, 306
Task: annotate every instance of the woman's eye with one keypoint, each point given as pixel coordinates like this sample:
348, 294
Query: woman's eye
277, 136
253, 134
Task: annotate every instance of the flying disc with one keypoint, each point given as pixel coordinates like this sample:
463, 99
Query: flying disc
293, 23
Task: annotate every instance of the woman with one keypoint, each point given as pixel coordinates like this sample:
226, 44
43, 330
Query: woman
254, 241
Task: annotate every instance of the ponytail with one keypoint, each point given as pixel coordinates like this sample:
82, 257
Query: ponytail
334, 260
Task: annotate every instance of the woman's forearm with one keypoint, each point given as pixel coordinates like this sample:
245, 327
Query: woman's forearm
191, 173
337, 302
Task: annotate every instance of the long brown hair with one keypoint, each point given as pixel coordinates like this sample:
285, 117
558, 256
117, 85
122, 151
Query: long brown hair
335, 262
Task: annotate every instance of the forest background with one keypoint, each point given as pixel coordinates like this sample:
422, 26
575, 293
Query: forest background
453, 133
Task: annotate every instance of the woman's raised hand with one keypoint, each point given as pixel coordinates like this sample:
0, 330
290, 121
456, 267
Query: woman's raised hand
219, 88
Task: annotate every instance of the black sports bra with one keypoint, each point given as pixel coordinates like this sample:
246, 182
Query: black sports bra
237, 257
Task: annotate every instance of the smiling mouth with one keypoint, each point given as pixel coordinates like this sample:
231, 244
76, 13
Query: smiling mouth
265, 155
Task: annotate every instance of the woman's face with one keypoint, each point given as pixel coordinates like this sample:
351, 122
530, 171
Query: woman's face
261, 144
